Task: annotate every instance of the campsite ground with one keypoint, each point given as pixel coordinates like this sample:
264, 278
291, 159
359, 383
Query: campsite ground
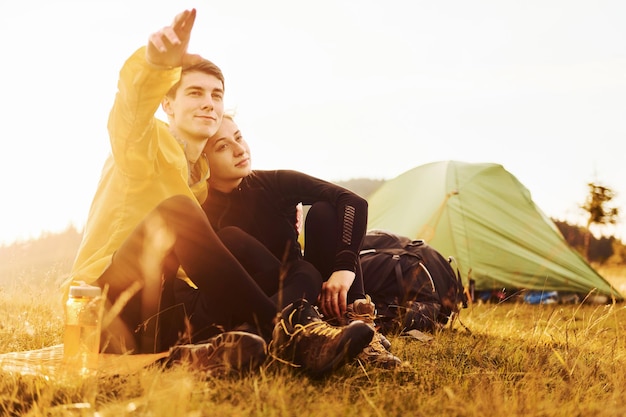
499, 359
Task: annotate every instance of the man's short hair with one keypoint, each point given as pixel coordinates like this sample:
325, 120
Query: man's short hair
204, 66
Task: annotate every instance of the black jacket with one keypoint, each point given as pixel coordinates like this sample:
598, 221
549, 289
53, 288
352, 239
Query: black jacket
264, 205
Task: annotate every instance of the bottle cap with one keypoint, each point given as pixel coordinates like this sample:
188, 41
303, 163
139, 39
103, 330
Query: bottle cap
84, 290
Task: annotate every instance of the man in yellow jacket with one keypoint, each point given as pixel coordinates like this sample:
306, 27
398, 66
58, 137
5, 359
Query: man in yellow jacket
146, 226
145, 220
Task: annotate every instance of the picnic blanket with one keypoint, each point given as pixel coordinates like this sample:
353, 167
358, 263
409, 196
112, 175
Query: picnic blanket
48, 362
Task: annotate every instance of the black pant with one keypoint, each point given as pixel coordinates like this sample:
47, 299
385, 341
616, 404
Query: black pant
283, 284
177, 233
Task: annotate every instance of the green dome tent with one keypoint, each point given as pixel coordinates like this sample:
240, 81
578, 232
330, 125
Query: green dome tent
481, 215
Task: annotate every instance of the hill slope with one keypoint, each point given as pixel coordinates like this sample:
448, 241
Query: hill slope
44, 260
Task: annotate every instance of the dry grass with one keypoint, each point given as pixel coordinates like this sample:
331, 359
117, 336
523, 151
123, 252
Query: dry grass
516, 360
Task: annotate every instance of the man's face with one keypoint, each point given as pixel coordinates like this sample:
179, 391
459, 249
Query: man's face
228, 154
195, 113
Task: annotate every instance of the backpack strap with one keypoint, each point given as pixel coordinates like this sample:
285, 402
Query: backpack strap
462, 294
400, 274
398, 270
396, 253
374, 286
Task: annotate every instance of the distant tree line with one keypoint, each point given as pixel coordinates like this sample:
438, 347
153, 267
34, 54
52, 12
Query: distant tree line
600, 212
604, 250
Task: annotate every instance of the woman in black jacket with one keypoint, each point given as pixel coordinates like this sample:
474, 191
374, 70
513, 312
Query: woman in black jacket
263, 204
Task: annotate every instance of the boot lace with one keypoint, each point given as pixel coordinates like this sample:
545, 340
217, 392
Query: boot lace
320, 328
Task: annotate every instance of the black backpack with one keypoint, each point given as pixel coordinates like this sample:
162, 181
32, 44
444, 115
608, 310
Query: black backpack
412, 285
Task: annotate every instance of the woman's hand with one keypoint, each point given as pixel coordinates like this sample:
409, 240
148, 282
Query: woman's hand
334, 295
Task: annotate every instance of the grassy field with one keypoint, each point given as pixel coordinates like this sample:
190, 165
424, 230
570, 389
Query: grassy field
501, 359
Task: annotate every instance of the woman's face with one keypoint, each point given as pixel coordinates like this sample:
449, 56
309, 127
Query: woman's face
228, 155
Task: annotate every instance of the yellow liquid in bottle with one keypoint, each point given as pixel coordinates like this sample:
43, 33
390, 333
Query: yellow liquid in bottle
81, 346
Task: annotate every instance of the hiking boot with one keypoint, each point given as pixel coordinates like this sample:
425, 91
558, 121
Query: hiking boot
376, 353
227, 354
303, 339
365, 310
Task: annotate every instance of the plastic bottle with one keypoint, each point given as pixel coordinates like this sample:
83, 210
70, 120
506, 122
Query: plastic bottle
82, 328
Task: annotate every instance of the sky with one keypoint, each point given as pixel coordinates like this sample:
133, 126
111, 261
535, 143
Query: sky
338, 89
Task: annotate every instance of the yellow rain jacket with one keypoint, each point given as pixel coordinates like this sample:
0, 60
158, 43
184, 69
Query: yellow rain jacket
147, 165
